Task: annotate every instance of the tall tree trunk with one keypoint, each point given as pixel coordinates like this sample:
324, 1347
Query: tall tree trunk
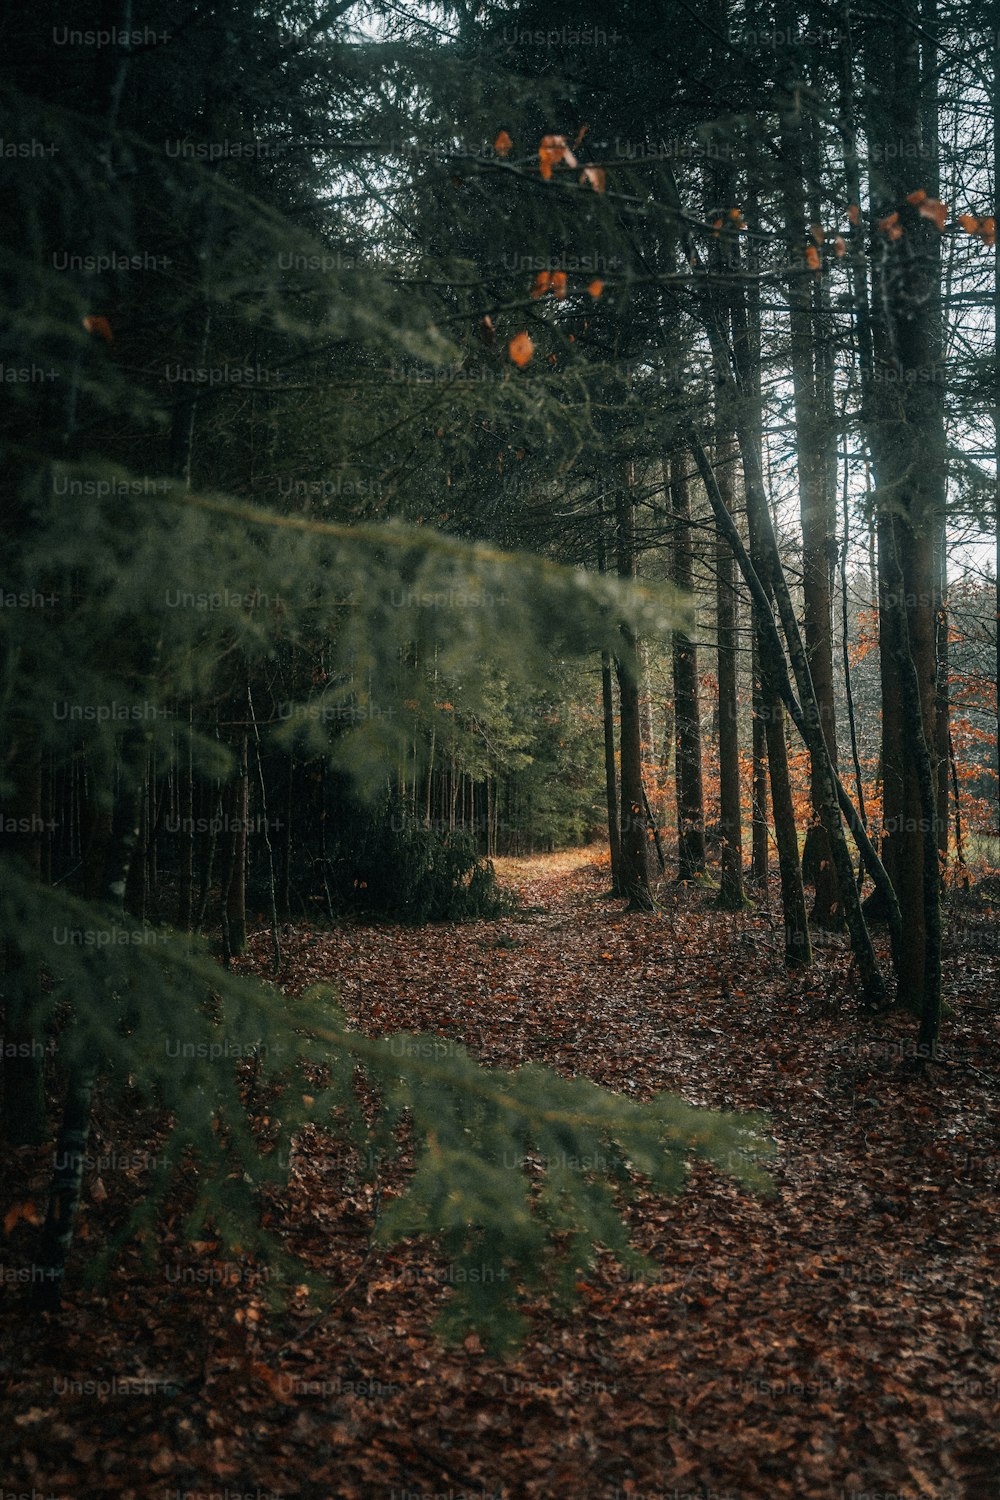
633, 870
996, 377
234, 914
758, 830
731, 893
608, 718
910, 453
611, 772
816, 500
687, 716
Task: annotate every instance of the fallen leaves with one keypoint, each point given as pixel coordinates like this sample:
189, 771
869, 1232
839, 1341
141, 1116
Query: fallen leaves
841, 1337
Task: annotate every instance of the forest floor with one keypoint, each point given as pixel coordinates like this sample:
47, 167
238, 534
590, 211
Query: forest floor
837, 1341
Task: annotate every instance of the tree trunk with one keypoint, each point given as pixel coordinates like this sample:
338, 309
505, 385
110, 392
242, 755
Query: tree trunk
234, 914
758, 833
611, 772
731, 893
816, 499
910, 455
633, 869
687, 717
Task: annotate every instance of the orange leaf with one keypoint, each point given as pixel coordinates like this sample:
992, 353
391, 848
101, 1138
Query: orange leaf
552, 150
853, 213
935, 210
969, 223
596, 287
502, 144
812, 258
716, 226
920, 196
543, 282
97, 324
559, 284
580, 135
595, 176
520, 349
26, 1211
840, 245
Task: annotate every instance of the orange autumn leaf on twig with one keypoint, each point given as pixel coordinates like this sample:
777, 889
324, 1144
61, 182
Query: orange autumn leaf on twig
853, 213
502, 144
552, 150
812, 258
549, 281
596, 287
100, 325
929, 208
984, 228
891, 226
595, 176
520, 349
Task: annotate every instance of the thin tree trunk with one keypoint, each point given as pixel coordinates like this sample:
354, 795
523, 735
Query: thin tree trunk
687, 716
816, 503
758, 832
634, 872
611, 772
234, 908
731, 893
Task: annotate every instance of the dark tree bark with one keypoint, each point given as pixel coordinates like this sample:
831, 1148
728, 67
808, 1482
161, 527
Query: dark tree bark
234, 913
687, 716
910, 454
817, 499
633, 870
759, 823
731, 893
611, 772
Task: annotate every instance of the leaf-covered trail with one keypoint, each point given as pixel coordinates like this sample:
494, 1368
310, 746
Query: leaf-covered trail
837, 1340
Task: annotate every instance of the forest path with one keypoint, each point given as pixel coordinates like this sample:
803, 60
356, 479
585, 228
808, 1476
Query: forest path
839, 1337
835, 1341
